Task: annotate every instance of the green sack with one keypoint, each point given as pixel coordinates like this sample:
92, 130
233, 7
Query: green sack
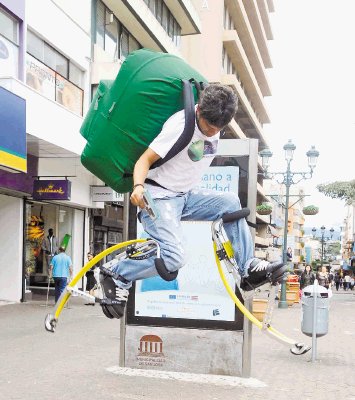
128, 113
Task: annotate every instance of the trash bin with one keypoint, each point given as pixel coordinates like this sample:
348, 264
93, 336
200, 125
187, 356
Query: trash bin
322, 310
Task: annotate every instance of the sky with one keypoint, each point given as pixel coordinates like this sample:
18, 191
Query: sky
313, 85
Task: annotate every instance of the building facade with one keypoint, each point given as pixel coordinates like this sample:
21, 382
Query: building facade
51, 62
348, 236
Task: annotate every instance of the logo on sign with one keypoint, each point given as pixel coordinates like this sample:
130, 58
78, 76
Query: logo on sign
150, 351
52, 190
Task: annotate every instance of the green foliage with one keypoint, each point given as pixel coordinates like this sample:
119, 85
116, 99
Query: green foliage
264, 207
334, 248
314, 265
339, 190
310, 210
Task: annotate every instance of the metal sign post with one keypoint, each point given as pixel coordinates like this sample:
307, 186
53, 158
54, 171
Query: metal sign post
314, 331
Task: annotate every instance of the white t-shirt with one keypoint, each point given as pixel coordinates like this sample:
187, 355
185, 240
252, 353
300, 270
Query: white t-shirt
184, 171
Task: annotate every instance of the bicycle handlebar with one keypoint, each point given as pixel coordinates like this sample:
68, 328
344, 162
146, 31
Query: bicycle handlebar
234, 216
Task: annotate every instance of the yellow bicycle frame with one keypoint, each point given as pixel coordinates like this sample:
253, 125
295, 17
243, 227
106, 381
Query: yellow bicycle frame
66, 294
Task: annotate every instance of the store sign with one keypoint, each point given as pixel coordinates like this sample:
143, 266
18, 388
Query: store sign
51, 190
105, 193
13, 151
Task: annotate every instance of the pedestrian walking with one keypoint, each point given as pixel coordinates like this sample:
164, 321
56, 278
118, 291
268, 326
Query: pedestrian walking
61, 269
323, 277
337, 280
90, 279
307, 277
346, 282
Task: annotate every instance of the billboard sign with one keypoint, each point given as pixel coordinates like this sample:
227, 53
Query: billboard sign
13, 147
197, 297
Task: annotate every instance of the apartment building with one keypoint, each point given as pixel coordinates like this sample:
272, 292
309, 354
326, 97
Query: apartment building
295, 221
348, 236
233, 49
52, 56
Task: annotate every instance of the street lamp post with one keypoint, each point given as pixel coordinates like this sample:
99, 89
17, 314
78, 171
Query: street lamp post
323, 240
288, 179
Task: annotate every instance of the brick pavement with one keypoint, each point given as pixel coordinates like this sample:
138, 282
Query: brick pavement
73, 363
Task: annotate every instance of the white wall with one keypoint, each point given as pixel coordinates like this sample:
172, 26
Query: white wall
78, 241
79, 11
57, 28
81, 182
11, 248
66, 27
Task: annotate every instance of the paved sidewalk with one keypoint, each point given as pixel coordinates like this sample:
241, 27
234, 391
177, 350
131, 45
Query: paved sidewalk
75, 362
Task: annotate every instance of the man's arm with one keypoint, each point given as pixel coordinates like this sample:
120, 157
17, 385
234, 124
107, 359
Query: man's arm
140, 173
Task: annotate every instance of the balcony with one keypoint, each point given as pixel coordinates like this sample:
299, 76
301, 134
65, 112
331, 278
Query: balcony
136, 16
264, 13
240, 18
235, 130
232, 81
238, 57
262, 242
261, 192
256, 22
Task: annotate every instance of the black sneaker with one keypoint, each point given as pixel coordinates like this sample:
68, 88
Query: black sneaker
114, 298
261, 272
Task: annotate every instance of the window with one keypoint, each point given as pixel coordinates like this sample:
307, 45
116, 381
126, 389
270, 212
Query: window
124, 44
112, 36
9, 27
164, 19
133, 44
56, 61
9, 51
158, 10
76, 75
100, 25
53, 75
111, 39
35, 45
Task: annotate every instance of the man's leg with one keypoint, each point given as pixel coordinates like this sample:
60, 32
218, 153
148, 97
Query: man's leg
210, 205
56, 288
166, 230
204, 205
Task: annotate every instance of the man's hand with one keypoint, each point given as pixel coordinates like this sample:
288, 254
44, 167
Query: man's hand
137, 196
140, 173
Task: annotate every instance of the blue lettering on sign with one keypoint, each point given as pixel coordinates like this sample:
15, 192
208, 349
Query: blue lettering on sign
220, 179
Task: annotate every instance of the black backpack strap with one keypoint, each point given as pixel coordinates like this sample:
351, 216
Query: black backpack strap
186, 136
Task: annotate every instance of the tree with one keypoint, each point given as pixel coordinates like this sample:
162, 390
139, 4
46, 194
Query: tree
333, 249
339, 190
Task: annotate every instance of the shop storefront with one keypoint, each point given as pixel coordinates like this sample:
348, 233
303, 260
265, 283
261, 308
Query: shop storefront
24, 242
48, 226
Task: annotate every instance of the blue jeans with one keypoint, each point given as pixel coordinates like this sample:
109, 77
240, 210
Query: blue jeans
59, 285
195, 205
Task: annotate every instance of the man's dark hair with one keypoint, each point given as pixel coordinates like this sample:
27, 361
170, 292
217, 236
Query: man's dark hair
61, 249
218, 105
